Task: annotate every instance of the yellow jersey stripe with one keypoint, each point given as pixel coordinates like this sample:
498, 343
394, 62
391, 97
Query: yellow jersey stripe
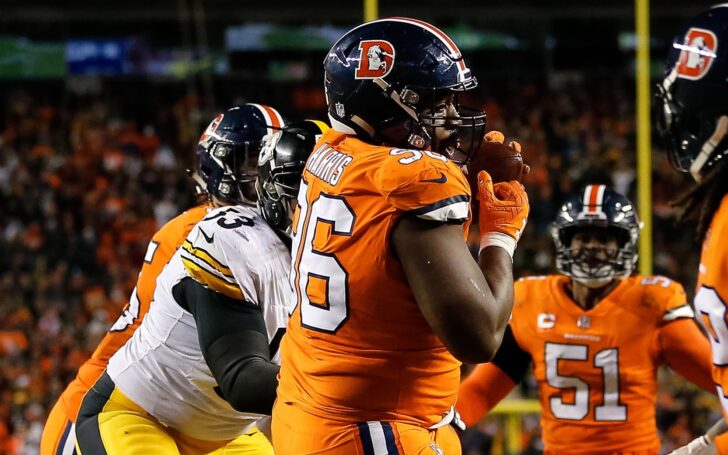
213, 282
205, 257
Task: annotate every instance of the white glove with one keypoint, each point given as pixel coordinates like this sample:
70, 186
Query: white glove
698, 446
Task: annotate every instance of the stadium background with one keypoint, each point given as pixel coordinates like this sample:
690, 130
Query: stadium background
103, 103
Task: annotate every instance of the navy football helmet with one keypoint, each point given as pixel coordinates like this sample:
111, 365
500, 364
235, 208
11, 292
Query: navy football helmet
596, 206
227, 154
280, 165
396, 81
691, 108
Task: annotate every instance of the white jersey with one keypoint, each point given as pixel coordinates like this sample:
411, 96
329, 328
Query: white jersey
161, 368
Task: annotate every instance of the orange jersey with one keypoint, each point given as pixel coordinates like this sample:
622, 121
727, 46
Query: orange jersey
161, 248
596, 369
712, 296
357, 346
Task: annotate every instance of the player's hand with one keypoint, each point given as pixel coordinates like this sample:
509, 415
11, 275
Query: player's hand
504, 207
698, 446
498, 137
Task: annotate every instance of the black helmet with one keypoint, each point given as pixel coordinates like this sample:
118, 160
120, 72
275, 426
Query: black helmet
228, 151
602, 207
383, 78
691, 108
280, 165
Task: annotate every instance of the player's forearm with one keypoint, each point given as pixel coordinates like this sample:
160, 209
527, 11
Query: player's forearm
497, 268
687, 351
246, 377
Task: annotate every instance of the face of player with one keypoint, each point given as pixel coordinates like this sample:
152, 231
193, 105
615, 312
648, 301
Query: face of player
594, 249
247, 172
441, 108
595, 245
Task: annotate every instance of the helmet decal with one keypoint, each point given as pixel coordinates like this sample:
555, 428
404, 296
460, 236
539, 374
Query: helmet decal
272, 117
697, 54
211, 128
376, 60
593, 200
449, 43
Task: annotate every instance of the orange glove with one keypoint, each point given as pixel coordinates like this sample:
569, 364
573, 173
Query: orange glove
497, 136
503, 212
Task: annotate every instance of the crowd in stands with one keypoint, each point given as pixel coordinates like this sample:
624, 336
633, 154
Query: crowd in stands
84, 185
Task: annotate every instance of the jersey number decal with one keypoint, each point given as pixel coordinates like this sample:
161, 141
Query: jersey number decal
712, 311
607, 360
320, 281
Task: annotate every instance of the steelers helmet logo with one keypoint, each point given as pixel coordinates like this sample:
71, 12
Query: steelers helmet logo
376, 59
696, 54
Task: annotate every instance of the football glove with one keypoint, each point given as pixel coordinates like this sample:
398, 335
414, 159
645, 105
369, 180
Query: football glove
497, 136
503, 213
698, 446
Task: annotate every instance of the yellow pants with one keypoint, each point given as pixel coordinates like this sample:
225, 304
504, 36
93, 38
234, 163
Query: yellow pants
123, 427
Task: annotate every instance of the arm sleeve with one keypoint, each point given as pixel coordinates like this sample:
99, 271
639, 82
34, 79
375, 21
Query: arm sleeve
491, 382
234, 343
687, 351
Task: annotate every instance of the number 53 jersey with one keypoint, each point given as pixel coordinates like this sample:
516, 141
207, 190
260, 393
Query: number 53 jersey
161, 368
357, 347
596, 369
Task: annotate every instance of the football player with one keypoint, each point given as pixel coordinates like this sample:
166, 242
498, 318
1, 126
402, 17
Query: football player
595, 334
692, 119
388, 297
214, 183
200, 371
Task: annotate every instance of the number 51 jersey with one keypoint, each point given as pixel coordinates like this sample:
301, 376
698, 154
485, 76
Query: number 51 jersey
234, 252
357, 346
596, 369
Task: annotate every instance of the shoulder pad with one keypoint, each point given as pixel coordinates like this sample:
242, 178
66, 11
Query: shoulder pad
210, 256
424, 184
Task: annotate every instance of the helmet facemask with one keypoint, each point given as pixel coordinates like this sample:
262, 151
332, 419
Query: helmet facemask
694, 141
240, 169
280, 165
433, 118
455, 131
595, 255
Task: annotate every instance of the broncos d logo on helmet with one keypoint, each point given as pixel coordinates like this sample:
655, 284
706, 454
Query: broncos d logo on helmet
376, 59
697, 54
212, 127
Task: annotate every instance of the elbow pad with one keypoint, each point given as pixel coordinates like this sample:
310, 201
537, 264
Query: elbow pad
241, 365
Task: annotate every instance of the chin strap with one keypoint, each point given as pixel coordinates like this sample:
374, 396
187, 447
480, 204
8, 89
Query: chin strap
721, 128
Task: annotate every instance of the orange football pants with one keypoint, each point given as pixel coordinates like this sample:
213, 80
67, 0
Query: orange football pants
296, 432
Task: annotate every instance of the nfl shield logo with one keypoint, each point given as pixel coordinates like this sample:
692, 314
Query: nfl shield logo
339, 109
584, 322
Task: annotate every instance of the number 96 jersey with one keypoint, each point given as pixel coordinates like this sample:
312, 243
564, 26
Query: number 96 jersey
357, 347
596, 369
